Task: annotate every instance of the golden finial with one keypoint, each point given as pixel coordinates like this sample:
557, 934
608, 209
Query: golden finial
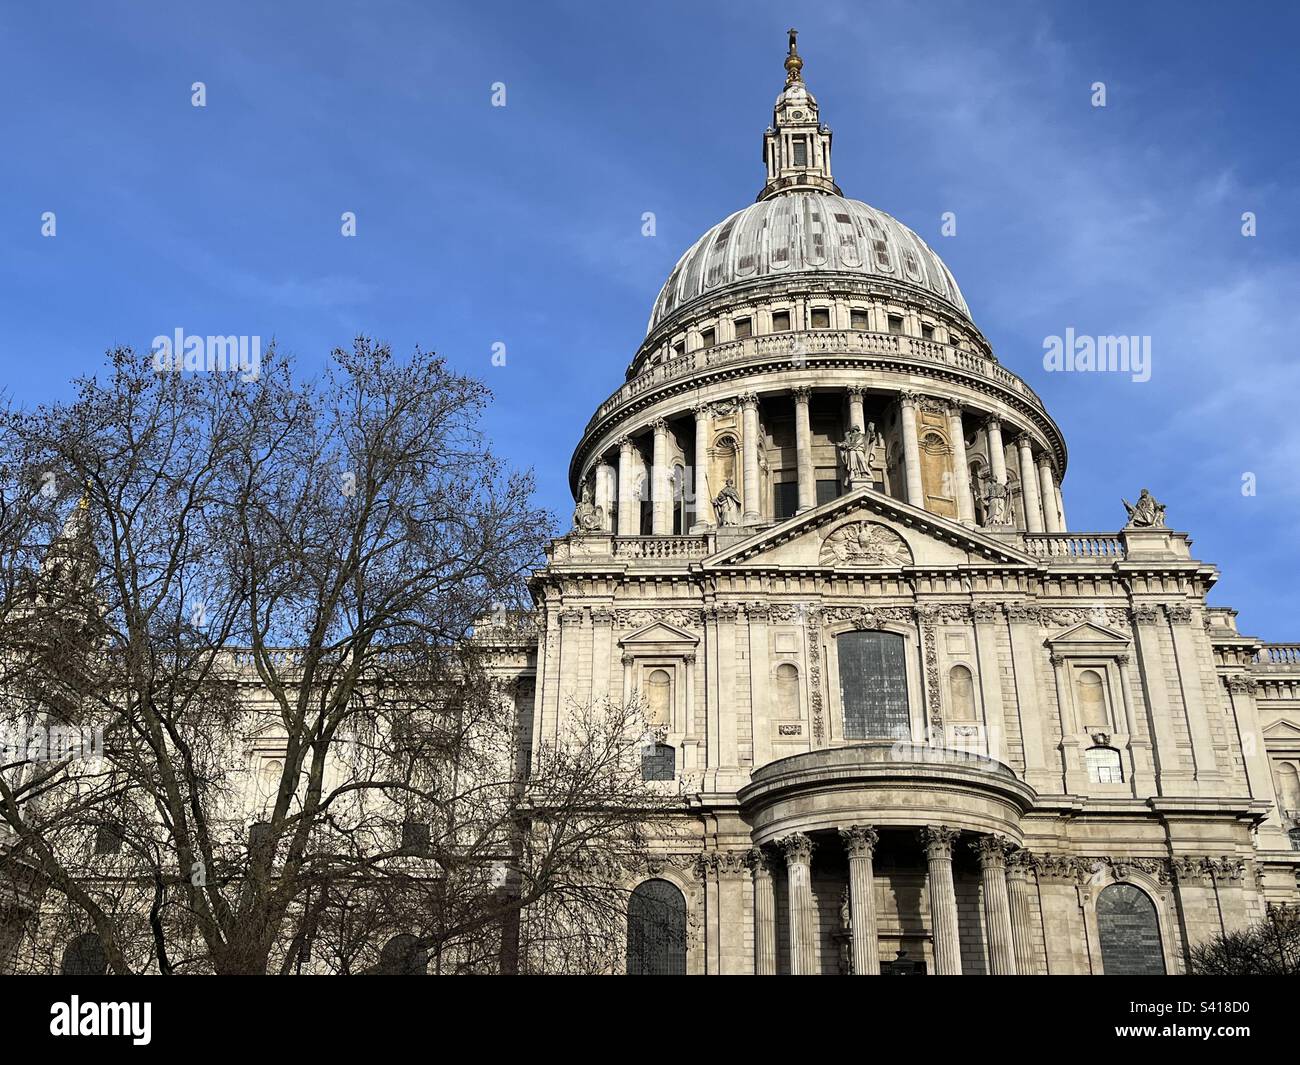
793, 64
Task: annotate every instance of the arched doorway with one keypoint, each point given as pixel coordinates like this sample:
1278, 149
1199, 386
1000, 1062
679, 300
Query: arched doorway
656, 930
1129, 930
85, 956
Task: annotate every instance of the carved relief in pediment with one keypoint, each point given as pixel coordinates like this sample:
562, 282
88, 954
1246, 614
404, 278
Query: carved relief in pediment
865, 543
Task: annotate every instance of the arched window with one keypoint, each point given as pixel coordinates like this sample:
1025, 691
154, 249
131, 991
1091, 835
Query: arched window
656, 930
659, 762
85, 956
658, 695
1129, 931
787, 690
1093, 712
961, 693
1104, 765
1294, 836
401, 956
1288, 789
873, 685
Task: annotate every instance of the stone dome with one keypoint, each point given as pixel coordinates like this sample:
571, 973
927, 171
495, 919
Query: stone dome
804, 232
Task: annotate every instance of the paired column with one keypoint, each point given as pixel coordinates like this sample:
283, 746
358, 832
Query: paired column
798, 850
760, 863
992, 852
960, 472
860, 842
911, 450
1047, 484
629, 502
1029, 486
704, 516
1020, 884
937, 841
749, 408
803, 450
661, 504
606, 493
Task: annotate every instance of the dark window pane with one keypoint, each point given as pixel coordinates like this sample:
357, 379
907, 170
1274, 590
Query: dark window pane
800, 152
780, 321
827, 490
656, 930
415, 838
821, 318
873, 685
858, 319
659, 764
895, 324
85, 956
706, 338
744, 328
785, 499
1129, 932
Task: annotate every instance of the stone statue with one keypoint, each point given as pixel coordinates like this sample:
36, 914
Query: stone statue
865, 543
997, 504
1146, 513
855, 453
587, 517
727, 505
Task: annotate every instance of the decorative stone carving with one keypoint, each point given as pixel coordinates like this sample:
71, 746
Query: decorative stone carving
1179, 613
991, 850
1023, 612
997, 504
938, 840
1146, 513
857, 452
797, 848
866, 617
726, 505
865, 543
587, 517
1242, 685
1146, 615
860, 840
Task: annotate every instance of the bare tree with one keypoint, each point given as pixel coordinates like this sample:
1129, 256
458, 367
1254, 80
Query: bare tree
1270, 947
262, 597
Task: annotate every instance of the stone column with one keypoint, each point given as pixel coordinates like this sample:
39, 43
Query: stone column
960, 471
749, 407
798, 850
1020, 885
1029, 486
860, 842
997, 448
764, 913
629, 505
704, 516
1051, 519
937, 841
911, 449
606, 493
992, 852
803, 450
661, 503
856, 414
1060, 508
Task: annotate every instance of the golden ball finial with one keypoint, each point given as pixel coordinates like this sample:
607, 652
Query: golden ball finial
793, 64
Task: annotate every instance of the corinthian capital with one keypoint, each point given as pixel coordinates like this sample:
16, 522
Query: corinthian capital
938, 840
860, 840
797, 848
991, 850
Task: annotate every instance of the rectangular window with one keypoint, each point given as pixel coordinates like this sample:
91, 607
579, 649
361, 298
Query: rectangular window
780, 321
800, 151
895, 324
927, 331
873, 685
415, 838
827, 489
858, 319
744, 328
679, 349
785, 499
706, 338
821, 318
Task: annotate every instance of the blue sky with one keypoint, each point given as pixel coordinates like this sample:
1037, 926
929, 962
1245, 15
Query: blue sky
522, 225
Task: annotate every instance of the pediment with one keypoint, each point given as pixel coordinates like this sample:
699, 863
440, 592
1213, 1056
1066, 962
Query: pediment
1088, 635
1286, 731
658, 634
867, 530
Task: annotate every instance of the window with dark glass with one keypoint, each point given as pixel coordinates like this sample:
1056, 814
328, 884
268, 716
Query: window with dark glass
821, 318
858, 319
895, 324
1129, 931
873, 685
828, 488
707, 338
785, 499
780, 321
656, 930
659, 763
744, 328
85, 956
415, 838
800, 151
927, 331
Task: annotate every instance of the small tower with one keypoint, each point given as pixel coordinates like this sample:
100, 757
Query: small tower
797, 147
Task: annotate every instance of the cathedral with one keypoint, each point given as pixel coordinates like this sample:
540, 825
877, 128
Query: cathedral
912, 721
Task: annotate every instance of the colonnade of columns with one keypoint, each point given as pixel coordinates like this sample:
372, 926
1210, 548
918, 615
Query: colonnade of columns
618, 492
1005, 886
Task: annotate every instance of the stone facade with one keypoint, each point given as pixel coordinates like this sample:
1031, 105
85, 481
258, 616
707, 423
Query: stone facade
1076, 717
